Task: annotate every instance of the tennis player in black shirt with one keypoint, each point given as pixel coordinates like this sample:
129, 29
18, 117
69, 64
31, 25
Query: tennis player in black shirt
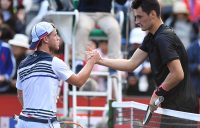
167, 56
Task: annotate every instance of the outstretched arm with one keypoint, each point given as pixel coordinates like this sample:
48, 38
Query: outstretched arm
125, 64
80, 78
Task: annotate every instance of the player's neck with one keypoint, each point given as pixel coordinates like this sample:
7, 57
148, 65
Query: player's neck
156, 26
44, 49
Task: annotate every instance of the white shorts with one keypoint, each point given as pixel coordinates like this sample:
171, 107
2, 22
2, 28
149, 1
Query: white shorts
26, 124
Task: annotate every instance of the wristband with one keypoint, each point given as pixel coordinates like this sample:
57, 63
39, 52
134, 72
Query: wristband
160, 92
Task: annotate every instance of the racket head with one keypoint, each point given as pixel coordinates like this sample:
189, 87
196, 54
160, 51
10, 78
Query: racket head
70, 123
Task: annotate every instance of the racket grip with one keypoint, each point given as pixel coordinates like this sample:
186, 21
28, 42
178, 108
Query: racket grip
159, 100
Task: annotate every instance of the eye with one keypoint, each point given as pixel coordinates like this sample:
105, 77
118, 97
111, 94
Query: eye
138, 17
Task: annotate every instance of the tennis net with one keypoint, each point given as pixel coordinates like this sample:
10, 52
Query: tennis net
130, 114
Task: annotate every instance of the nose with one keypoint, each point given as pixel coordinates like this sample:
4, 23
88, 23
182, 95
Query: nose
58, 38
136, 21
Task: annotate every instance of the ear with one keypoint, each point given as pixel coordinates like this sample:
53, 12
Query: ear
45, 39
153, 14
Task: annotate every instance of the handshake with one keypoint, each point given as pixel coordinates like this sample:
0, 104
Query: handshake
93, 55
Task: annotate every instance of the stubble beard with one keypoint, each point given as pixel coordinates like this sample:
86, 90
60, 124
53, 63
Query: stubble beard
53, 49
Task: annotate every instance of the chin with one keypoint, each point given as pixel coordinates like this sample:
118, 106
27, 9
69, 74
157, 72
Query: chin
143, 29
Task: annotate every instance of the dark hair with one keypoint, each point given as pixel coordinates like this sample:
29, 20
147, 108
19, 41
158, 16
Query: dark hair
6, 32
147, 6
10, 8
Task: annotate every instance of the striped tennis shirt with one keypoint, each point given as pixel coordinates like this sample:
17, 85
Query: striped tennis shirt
38, 77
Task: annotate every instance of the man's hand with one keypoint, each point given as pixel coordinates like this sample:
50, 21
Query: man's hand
152, 105
94, 55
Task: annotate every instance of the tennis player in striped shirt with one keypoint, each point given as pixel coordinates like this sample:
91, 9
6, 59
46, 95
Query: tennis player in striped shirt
38, 79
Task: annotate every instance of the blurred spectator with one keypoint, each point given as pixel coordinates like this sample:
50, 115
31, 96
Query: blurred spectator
20, 24
7, 60
166, 7
138, 81
8, 12
184, 28
194, 64
6, 32
97, 13
1, 18
90, 85
36, 13
61, 5
194, 9
20, 45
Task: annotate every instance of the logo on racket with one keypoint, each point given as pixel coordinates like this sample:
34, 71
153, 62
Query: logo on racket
149, 112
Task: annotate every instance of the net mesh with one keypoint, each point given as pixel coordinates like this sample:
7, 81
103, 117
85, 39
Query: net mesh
131, 115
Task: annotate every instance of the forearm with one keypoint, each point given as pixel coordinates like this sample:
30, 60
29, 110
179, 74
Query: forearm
118, 64
171, 81
175, 75
84, 74
123, 64
20, 96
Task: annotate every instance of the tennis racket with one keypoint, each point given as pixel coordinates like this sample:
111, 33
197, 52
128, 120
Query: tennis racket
65, 124
149, 112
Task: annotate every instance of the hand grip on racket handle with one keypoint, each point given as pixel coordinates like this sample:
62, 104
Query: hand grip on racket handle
159, 100
156, 103
151, 108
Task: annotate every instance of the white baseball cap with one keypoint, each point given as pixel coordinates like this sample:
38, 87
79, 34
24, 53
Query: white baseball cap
39, 31
20, 40
137, 36
180, 7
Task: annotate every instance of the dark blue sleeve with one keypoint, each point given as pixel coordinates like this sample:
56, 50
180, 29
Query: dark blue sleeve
10, 64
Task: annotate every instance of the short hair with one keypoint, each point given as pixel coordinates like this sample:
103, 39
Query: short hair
147, 6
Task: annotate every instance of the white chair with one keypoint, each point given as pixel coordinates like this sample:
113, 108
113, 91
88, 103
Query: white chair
66, 23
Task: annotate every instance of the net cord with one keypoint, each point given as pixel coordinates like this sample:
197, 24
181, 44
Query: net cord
162, 111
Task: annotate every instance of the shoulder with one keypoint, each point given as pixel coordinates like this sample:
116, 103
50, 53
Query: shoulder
36, 57
56, 59
166, 34
58, 62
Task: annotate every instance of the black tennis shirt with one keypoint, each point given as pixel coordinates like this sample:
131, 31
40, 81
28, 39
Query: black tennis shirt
163, 47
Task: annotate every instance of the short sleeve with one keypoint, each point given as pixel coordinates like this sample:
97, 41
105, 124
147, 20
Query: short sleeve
167, 48
147, 40
61, 69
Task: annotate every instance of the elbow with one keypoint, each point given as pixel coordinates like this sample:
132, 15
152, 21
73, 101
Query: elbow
80, 84
130, 70
180, 76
